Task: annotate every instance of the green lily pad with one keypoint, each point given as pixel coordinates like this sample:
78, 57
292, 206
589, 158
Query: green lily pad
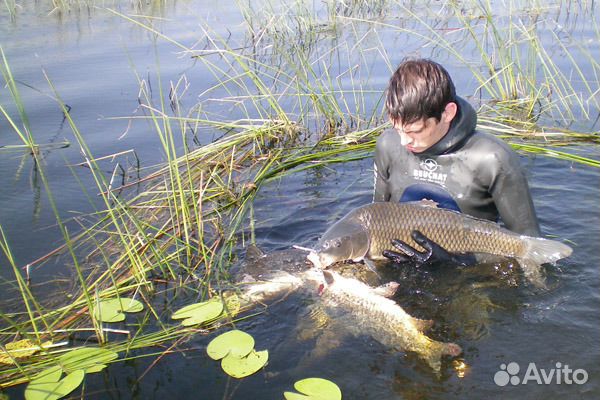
314, 389
112, 310
87, 358
245, 366
199, 313
44, 388
237, 343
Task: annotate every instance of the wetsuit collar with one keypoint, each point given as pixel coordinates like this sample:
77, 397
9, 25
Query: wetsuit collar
462, 126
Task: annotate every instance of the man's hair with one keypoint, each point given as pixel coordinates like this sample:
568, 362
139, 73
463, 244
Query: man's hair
419, 89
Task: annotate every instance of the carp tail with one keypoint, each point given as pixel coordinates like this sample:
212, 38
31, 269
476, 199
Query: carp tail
439, 349
540, 250
537, 252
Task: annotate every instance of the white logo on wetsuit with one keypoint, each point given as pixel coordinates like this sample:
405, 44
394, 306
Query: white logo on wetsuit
428, 172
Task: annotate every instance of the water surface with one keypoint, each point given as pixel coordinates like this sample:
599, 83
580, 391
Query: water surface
97, 60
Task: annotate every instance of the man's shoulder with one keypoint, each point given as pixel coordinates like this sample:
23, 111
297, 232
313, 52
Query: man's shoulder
488, 146
389, 142
388, 137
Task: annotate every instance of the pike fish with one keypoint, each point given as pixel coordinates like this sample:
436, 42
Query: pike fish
365, 232
352, 306
370, 312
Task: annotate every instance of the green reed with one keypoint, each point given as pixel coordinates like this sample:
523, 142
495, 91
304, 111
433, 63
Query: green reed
187, 224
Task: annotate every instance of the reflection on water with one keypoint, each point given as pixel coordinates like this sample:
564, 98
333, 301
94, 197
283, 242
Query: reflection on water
88, 53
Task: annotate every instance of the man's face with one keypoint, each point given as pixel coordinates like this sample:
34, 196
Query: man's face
420, 135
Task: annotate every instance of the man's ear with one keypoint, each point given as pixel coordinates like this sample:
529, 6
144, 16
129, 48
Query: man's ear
450, 112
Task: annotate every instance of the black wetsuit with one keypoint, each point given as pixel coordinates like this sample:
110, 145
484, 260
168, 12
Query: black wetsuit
467, 170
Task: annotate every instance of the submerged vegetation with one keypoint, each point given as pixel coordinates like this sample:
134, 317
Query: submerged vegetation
279, 108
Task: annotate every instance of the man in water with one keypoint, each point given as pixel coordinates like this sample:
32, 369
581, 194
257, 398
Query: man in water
434, 152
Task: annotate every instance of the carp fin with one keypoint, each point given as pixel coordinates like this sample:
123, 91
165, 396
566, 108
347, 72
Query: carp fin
540, 250
423, 203
533, 272
537, 252
439, 349
329, 279
387, 290
428, 203
371, 266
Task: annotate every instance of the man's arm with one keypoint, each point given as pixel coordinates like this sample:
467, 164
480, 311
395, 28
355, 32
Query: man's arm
512, 197
381, 190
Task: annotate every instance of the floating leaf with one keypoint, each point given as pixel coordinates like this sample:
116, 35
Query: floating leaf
314, 389
237, 343
199, 313
51, 375
95, 368
43, 388
19, 349
76, 363
87, 358
112, 310
244, 366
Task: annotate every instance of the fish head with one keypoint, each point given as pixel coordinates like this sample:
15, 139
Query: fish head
343, 241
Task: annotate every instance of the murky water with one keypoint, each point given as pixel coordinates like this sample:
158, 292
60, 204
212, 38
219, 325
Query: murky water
92, 56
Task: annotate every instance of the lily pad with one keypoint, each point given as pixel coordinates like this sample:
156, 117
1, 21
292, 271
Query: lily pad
245, 366
19, 350
44, 388
236, 343
199, 313
314, 389
88, 359
112, 310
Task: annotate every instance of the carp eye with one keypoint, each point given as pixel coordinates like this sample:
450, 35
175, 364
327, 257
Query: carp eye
337, 243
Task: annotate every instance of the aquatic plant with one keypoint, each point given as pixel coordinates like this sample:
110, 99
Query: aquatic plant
236, 351
314, 389
294, 114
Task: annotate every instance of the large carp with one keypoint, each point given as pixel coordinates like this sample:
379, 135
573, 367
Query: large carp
365, 232
368, 312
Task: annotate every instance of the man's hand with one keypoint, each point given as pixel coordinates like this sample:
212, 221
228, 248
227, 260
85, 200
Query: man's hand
433, 254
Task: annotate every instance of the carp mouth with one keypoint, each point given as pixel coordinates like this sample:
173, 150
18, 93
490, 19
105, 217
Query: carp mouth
320, 260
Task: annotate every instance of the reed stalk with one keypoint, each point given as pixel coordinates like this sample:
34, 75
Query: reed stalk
186, 225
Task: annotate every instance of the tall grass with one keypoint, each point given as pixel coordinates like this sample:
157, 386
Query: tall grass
292, 111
